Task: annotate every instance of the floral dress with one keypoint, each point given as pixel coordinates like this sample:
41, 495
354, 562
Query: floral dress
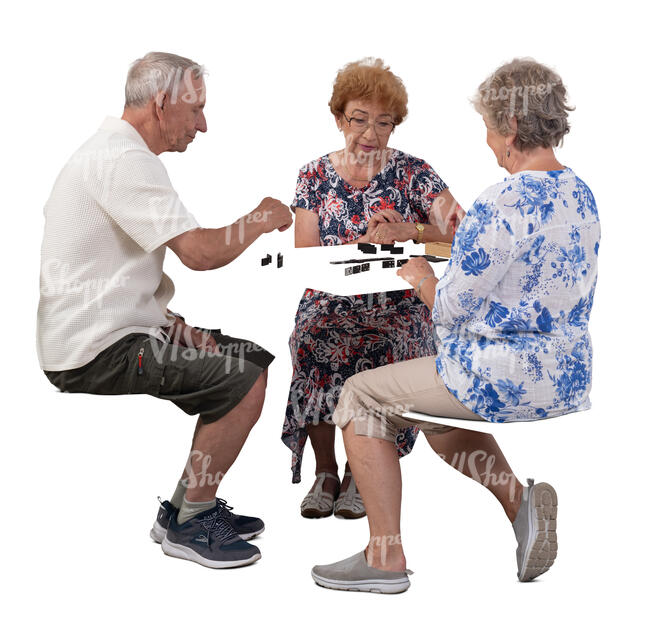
338, 336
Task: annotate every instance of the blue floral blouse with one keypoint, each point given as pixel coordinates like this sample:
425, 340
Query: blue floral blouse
512, 309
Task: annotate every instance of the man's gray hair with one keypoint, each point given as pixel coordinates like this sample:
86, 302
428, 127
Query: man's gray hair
158, 72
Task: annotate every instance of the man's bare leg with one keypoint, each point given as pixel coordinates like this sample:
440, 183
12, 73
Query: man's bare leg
216, 446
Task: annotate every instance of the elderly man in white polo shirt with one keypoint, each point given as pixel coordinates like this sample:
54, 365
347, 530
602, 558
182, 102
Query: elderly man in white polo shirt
103, 322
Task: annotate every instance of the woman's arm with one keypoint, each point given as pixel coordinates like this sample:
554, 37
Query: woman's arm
444, 217
484, 252
420, 275
307, 232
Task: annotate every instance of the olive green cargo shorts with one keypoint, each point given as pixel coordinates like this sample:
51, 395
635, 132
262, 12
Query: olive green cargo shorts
196, 381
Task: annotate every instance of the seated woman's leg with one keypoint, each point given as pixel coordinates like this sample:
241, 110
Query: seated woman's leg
371, 408
322, 436
376, 470
478, 456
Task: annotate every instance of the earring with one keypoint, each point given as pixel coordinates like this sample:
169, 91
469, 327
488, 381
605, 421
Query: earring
507, 153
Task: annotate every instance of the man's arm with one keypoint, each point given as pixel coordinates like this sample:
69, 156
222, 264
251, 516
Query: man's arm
207, 249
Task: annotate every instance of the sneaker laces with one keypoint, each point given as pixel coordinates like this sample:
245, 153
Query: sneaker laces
215, 524
225, 509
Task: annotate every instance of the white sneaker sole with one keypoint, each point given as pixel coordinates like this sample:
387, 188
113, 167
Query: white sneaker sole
541, 548
158, 533
390, 587
186, 553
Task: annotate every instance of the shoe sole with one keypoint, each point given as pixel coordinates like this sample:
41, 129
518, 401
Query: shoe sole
386, 587
158, 533
541, 548
348, 515
181, 551
314, 514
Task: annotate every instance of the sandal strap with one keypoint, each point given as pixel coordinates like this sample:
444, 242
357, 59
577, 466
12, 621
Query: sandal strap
319, 499
323, 475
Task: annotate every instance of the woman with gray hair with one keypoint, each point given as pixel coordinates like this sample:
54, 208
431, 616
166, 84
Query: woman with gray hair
511, 328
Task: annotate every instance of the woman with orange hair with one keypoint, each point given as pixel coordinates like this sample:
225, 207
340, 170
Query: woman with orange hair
365, 192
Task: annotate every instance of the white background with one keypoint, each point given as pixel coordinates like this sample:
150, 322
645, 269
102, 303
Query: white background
81, 473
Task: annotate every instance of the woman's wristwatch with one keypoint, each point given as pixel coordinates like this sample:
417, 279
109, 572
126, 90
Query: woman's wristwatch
420, 229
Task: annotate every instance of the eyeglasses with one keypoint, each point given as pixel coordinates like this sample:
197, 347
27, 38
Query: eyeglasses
359, 125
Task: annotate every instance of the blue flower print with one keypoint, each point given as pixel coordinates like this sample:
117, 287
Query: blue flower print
513, 393
545, 321
584, 199
496, 313
475, 263
571, 264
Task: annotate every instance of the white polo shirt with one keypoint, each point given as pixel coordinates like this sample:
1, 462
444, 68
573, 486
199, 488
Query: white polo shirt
110, 213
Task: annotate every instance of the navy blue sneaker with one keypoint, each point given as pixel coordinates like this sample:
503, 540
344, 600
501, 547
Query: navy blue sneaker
246, 527
209, 540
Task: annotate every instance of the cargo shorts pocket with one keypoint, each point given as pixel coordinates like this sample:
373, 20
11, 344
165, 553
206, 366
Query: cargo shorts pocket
172, 381
145, 367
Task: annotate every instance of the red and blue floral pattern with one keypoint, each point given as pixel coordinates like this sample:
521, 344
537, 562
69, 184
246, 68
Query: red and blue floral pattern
338, 336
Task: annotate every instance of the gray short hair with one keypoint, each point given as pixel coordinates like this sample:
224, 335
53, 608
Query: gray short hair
157, 72
534, 95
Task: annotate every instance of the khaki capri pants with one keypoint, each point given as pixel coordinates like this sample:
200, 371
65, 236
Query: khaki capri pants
376, 400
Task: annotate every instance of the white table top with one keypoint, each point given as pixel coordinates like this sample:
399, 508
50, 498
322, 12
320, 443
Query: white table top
310, 268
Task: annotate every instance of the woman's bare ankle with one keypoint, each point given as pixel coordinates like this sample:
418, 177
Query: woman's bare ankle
386, 553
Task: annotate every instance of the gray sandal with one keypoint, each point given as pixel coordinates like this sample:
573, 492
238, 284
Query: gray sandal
349, 505
318, 503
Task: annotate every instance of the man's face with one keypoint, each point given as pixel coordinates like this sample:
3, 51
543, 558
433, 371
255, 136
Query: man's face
181, 114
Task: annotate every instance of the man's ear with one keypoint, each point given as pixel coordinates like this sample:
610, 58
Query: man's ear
159, 103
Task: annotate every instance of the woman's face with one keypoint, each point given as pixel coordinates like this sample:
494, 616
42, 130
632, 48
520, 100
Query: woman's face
367, 126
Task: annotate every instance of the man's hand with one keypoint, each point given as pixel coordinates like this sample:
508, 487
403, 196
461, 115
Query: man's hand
184, 335
273, 214
415, 270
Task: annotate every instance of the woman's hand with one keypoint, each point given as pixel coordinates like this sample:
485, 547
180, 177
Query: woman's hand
387, 233
382, 219
388, 226
415, 270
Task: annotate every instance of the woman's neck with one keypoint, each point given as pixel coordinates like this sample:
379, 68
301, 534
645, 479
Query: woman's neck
358, 170
539, 159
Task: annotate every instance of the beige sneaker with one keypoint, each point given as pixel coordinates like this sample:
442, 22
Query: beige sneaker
354, 574
534, 527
